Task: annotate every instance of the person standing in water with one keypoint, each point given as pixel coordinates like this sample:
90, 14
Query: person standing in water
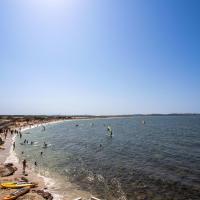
24, 166
13, 146
111, 134
109, 129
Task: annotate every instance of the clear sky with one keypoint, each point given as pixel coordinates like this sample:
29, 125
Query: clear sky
99, 56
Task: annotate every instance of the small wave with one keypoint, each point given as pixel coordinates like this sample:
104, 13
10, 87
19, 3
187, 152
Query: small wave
90, 177
116, 183
12, 158
50, 184
100, 178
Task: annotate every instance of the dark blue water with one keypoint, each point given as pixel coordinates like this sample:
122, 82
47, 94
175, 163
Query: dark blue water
156, 160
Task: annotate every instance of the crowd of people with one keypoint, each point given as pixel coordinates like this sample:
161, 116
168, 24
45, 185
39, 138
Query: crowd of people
4, 133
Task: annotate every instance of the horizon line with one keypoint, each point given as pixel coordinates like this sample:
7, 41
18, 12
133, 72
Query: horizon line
90, 115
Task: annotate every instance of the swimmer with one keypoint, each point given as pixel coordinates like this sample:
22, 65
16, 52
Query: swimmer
45, 145
13, 146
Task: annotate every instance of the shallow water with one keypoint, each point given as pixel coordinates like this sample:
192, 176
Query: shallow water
156, 160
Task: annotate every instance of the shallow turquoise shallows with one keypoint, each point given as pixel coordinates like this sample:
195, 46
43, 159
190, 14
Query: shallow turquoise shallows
157, 157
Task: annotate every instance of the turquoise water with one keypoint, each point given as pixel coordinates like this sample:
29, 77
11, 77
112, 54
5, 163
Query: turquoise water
156, 160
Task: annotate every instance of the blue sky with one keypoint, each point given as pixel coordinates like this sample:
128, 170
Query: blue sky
99, 56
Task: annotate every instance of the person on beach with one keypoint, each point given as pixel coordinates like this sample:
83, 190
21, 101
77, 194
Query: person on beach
24, 141
35, 164
24, 166
13, 146
20, 135
41, 153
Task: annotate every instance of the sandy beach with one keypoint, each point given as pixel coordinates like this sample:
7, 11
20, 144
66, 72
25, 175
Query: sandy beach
44, 184
8, 155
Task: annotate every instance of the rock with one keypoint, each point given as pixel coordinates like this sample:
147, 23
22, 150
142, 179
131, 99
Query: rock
31, 196
1, 141
45, 195
7, 170
8, 164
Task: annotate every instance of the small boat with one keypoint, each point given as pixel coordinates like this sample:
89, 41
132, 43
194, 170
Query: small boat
14, 183
9, 183
16, 194
17, 185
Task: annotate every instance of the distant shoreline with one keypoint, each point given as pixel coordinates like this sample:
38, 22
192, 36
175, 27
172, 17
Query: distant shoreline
95, 116
12, 120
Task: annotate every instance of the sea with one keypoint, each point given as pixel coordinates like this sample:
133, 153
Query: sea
147, 157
